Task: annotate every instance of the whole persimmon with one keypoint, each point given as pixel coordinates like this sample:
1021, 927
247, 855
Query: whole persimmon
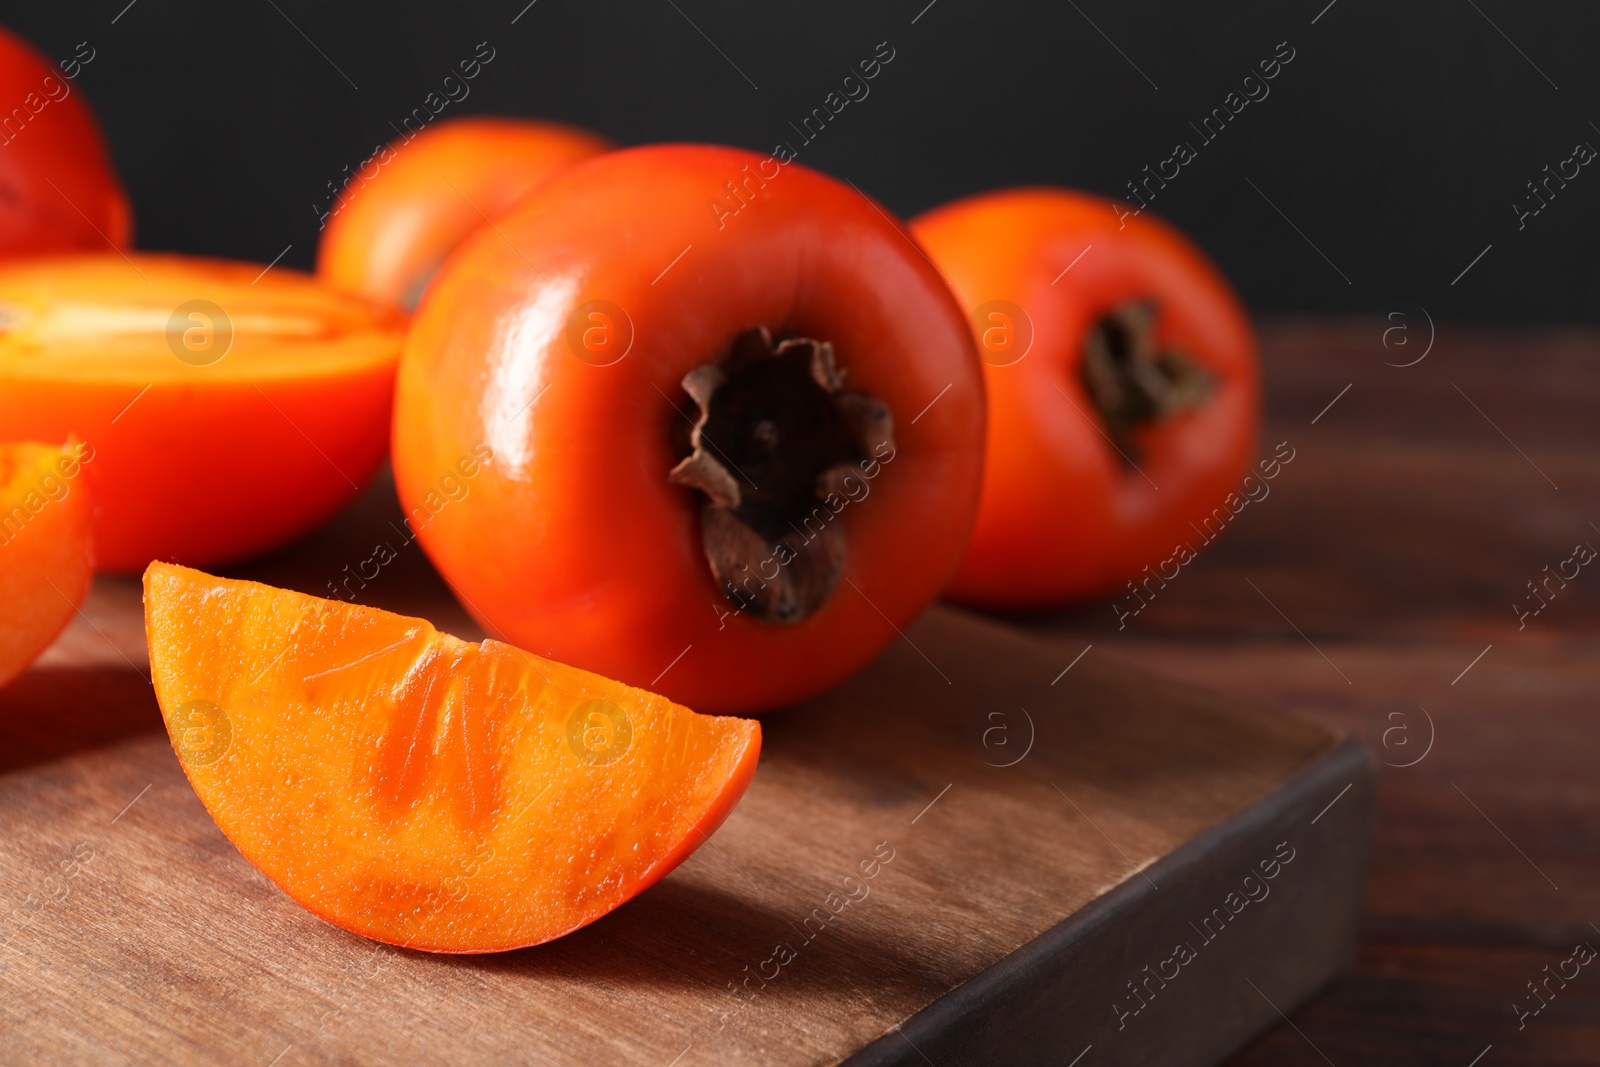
421, 790
736, 420
1123, 392
387, 234
230, 408
58, 191
46, 560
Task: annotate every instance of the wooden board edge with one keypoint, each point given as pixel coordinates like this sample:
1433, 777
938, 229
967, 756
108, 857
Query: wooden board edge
1108, 985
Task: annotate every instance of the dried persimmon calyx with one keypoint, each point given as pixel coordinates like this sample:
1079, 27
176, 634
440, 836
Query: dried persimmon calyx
1133, 381
776, 428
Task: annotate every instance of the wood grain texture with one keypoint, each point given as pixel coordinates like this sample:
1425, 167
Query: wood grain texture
136, 933
1178, 966
1397, 542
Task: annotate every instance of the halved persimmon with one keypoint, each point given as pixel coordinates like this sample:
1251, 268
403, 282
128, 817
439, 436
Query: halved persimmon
420, 790
45, 557
230, 407
388, 233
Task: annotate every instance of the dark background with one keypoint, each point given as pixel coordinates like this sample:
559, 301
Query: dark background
1396, 140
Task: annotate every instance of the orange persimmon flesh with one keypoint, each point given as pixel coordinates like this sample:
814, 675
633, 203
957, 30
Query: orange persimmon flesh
45, 558
419, 789
231, 408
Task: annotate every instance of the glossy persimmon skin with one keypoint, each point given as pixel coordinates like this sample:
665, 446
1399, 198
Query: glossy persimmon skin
386, 236
572, 542
420, 790
58, 191
197, 462
1062, 517
46, 559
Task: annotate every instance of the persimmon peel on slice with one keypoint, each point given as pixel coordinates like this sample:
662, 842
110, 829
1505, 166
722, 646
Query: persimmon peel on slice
419, 789
45, 559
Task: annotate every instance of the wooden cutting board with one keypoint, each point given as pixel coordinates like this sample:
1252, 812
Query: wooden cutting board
1054, 858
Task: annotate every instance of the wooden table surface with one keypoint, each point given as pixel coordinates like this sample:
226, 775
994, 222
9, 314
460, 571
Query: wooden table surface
1011, 877
1385, 561
1372, 590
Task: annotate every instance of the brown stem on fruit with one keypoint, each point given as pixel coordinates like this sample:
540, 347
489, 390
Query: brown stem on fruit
776, 437
1133, 383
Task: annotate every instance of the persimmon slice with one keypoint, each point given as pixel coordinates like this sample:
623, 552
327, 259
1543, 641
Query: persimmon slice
419, 789
45, 558
231, 406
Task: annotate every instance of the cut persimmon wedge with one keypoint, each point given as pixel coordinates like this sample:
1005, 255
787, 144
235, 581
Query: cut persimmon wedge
419, 789
231, 407
45, 557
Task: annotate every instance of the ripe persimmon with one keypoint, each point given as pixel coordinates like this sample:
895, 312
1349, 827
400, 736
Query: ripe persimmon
230, 408
420, 790
386, 235
736, 415
45, 557
1123, 391
58, 191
